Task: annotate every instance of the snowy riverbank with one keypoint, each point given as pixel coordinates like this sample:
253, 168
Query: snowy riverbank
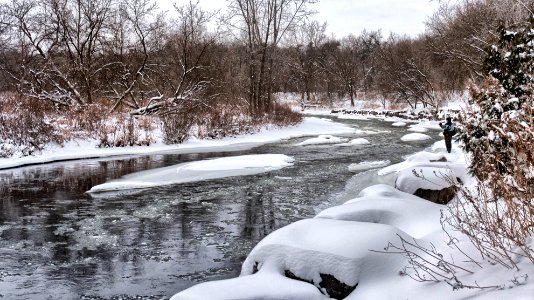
83, 149
340, 253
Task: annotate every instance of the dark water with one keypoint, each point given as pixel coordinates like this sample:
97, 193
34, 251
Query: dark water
56, 242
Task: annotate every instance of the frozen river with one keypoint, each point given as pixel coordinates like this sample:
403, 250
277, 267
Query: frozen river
57, 242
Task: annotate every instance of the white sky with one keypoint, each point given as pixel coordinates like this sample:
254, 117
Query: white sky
352, 16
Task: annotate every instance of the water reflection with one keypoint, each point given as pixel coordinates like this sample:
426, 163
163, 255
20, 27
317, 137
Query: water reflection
156, 242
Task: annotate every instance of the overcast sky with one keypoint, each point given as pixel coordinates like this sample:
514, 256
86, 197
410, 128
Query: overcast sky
352, 16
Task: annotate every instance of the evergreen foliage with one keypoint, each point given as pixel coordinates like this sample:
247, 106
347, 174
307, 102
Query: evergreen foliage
499, 134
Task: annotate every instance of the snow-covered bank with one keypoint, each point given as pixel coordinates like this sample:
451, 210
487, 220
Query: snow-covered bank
87, 149
198, 171
340, 253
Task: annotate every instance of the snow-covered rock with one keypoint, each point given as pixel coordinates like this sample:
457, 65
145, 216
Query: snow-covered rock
418, 129
398, 124
356, 142
266, 284
311, 247
383, 204
322, 140
415, 137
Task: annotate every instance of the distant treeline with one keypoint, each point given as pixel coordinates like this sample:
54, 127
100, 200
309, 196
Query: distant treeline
129, 55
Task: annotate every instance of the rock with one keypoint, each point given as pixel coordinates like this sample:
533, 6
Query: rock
437, 196
331, 285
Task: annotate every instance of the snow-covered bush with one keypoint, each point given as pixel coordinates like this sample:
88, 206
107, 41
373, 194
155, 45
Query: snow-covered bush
499, 135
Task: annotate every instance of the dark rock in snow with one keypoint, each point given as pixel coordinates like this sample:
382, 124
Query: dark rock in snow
442, 159
333, 287
437, 196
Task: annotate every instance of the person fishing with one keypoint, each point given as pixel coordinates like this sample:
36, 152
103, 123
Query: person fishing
449, 129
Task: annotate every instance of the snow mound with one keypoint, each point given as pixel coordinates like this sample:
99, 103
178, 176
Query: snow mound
311, 247
384, 204
265, 284
399, 124
367, 165
198, 171
411, 137
428, 178
432, 125
418, 129
357, 142
322, 140
438, 158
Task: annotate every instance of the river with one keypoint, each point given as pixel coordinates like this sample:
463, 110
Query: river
57, 242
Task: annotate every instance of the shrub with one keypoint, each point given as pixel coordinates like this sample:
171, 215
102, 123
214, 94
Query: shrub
222, 120
283, 115
499, 135
24, 127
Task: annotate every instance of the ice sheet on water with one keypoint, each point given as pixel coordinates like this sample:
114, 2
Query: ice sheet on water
198, 171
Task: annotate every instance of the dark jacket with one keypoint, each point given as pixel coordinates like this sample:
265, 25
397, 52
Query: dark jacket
448, 128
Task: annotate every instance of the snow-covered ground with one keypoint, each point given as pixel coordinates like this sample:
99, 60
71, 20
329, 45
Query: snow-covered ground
349, 243
87, 149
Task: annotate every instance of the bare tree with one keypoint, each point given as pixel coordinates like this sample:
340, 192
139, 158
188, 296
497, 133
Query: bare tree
304, 67
134, 54
404, 73
182, 79
263, 24
60, 43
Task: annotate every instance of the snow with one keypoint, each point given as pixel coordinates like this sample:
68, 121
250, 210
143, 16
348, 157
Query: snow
411, 137
352, 117
265, 284
418, 129
322, 140
367, 165
348, 241
383, 204
428, 178
399, 124
355, 142
198, 171
342, 250
88, 149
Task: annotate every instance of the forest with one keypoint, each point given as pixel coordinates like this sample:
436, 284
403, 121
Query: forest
213, 74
